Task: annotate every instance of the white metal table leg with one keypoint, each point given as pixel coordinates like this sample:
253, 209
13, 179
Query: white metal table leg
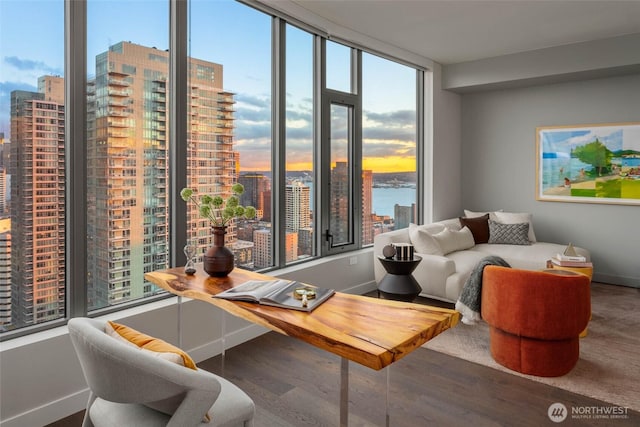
386, 399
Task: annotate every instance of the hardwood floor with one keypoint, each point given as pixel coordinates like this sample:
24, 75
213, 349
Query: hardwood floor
295, 384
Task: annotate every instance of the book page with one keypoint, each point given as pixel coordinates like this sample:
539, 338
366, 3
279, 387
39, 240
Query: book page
253, 290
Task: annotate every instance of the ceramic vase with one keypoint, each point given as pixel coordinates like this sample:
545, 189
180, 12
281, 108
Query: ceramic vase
218, 259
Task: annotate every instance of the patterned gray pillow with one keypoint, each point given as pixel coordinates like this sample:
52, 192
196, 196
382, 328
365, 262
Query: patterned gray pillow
509, 234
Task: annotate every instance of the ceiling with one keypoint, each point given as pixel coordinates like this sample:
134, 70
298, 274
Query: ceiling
453, 31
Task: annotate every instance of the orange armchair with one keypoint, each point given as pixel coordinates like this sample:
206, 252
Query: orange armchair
536, 318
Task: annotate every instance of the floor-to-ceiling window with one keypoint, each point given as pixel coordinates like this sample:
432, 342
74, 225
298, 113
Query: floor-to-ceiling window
300, 168
389, 144
230, 130
127, 148
256, 91
32, 164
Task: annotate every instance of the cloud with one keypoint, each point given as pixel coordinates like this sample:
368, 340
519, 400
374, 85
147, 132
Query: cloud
29, 67
392, 118
259, 102
25, 64
386, 135
388, 148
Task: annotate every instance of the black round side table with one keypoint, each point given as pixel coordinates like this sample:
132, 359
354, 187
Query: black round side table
398, 283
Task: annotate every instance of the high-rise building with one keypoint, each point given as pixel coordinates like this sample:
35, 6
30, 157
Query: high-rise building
5, 273
3, 191
367, 207
339, 215
37, 169
305, 242
127, 158
262, 257
4, 154
298, 217
297, 203
403, 215
340, 206
256, 187
291, 245
4, 163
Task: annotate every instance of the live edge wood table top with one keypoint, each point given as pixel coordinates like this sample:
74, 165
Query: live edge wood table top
372, 332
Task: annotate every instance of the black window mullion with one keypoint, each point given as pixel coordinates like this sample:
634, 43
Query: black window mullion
76, 155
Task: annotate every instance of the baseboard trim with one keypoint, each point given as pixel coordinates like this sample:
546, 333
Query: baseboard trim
633, 282
50, 412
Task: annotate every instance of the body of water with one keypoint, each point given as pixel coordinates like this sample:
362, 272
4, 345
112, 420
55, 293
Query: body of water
385, 198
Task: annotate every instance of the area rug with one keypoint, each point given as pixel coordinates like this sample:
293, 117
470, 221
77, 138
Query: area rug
609, 364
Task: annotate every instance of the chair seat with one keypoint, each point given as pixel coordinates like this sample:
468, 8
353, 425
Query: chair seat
232, 408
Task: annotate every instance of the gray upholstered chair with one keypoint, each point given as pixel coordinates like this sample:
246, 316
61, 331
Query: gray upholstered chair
126, 383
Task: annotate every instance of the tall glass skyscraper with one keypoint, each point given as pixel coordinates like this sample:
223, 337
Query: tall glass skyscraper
128, 222
37, 169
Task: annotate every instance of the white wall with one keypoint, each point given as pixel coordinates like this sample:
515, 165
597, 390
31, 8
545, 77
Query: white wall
498, 163
504, 99
445, 154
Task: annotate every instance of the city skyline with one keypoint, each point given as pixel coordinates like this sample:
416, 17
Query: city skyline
127, 148
388, 120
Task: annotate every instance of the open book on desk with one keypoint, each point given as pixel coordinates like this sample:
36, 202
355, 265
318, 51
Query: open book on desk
279, 293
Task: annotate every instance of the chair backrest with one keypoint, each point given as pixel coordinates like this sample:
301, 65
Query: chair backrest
536, 303
117, 372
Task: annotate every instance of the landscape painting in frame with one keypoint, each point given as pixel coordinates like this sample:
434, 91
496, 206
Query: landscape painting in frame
589, 163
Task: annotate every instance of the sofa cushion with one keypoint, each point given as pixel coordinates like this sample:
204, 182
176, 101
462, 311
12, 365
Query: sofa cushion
509, 234
451, 224
474, 214
516, 218
422, 239
479, 227
452, 240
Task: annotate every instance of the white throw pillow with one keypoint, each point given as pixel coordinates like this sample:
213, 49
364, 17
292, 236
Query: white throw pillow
423, 241
516, 218
452, 240
473, 214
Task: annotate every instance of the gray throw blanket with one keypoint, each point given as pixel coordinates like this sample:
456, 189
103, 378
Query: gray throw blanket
470, 301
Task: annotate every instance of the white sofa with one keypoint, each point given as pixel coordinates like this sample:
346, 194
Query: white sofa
447, 264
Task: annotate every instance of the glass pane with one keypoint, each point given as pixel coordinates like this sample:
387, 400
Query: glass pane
388, 146
299, 145
32, 172
127, 149
230, 122
341, 206
338, 66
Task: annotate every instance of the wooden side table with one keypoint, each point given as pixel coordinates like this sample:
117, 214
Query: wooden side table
587, 271
399, 284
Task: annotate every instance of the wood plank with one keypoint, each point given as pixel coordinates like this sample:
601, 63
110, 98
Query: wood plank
296, 385
368, 331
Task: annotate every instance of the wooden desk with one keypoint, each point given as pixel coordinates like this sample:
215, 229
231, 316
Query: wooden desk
372, 332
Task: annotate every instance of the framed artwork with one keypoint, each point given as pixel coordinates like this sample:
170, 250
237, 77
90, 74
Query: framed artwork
597, 163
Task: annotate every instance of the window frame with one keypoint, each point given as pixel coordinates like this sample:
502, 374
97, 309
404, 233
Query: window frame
75, 73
